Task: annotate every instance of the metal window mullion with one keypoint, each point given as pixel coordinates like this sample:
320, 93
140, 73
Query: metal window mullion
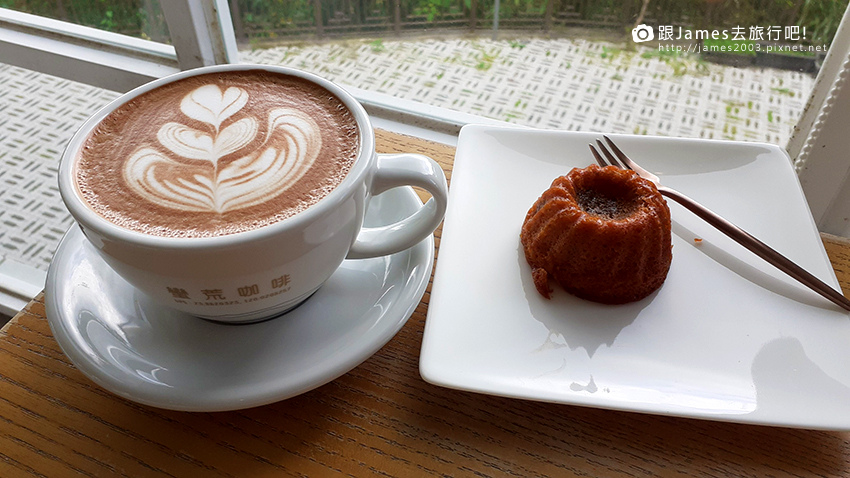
820, 143
826, 77
79, 53
201, 32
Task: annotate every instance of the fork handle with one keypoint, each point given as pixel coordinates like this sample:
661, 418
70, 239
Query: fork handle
757, 247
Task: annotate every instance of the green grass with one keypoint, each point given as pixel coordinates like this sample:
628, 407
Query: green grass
377, 46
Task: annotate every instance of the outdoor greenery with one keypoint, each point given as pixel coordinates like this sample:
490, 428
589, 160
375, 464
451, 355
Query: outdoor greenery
275, 18
822, 18
139, 18
290, 18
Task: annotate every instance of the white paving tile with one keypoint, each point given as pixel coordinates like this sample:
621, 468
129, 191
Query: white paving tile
566, 84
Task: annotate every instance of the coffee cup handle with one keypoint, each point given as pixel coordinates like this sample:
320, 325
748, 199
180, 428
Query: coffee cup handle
396, 170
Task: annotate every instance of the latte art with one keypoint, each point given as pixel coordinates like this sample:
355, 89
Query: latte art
172, 180
217, 154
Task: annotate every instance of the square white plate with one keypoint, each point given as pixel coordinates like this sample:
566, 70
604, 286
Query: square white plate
727, 337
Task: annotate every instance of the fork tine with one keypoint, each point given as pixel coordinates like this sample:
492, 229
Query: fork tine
631, 164
596, 155
620, 154
610, 157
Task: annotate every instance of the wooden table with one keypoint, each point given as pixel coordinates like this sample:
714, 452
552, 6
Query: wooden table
379, 419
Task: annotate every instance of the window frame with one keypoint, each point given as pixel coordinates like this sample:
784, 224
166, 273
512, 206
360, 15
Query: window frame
100, 58
820, 141
203, 35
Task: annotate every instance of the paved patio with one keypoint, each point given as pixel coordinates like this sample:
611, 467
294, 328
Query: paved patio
567, 84
557, 84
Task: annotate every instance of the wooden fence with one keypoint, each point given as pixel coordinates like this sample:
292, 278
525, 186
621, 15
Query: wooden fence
337, 18
276, 19
256, 19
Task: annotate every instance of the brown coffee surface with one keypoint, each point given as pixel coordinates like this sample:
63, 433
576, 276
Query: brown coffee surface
217, 154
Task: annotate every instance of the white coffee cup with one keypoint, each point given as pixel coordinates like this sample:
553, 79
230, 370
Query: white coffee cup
261, 273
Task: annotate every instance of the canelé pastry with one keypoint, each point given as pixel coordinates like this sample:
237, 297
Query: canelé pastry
603, 234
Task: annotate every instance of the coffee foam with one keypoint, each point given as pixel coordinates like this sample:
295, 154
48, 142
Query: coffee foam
217, 154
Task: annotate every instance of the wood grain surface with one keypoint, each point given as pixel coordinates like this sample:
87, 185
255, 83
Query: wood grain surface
380, 419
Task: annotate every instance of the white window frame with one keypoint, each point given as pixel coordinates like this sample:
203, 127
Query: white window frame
99, 58
201, 34
204, 36
821, 141
201, 31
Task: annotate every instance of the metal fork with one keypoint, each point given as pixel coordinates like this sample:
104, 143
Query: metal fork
736, 233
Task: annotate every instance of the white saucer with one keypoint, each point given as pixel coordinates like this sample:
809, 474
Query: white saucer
152, 355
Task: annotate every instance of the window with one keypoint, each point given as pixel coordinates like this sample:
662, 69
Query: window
554, 64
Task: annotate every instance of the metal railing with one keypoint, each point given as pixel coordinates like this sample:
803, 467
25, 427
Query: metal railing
254, 20
339, 18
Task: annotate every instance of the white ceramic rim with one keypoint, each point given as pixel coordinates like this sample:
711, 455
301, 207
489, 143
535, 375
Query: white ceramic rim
90, 219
